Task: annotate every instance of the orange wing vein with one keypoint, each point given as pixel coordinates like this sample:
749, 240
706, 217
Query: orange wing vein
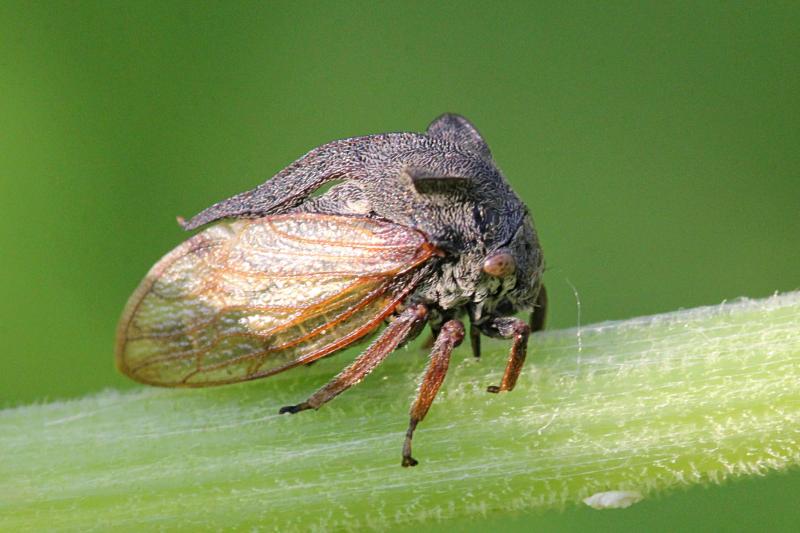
251, 298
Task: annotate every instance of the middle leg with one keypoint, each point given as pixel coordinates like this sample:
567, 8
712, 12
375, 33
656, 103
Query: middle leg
450, 336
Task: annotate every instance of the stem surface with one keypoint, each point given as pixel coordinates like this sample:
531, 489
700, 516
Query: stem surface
637, 406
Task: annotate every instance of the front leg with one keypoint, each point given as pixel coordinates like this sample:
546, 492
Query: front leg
514, 328
519, 331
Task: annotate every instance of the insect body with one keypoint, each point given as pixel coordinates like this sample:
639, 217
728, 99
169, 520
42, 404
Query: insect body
419, 228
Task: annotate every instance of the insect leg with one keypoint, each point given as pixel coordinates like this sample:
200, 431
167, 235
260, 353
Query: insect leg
518, 330
475, 340
431, 339
539, 311
450, 336
395, 334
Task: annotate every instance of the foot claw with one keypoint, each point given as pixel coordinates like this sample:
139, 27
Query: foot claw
494, 389
292, 409
409, 461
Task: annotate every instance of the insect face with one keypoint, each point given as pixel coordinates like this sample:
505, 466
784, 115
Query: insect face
419, 228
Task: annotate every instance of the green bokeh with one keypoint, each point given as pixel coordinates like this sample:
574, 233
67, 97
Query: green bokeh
657, 146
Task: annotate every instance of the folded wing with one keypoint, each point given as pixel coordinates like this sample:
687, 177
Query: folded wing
250, 298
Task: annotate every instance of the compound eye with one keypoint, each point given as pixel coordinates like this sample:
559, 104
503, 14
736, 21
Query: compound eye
499, 264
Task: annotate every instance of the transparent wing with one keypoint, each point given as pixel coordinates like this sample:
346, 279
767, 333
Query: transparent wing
250, 298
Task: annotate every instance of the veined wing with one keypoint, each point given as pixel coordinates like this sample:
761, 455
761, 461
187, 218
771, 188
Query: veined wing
250, 298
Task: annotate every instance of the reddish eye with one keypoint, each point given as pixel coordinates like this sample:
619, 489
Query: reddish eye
499, 264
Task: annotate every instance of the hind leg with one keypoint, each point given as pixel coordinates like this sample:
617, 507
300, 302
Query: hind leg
396, 333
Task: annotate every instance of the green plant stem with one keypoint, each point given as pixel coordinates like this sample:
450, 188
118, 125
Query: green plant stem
642, 405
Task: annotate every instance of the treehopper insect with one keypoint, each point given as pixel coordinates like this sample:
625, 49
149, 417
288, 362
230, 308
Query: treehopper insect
418, 229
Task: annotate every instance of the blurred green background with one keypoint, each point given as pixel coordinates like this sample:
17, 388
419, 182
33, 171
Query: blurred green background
658, 147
